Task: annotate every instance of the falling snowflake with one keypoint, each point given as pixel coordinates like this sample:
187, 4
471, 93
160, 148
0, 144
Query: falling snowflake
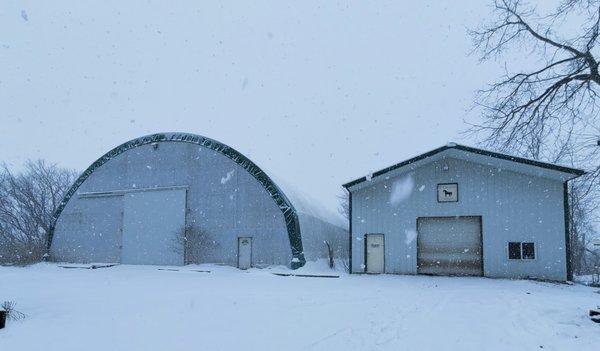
410, 236
401, 190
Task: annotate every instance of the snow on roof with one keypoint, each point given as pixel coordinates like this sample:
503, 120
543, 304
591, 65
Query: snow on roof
475, 153
306, 204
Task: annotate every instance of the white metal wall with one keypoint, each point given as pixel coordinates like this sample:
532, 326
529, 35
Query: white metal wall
222, 198
513, 207
152, 227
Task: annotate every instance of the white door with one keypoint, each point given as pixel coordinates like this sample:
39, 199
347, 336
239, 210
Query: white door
449, 246
152, 227
375, 253
244, 253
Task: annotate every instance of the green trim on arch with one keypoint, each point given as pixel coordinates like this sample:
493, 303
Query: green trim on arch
284, 204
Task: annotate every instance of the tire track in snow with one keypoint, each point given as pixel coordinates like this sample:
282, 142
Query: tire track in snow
316, 343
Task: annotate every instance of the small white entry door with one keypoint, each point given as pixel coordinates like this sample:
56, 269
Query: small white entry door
244, 252
375, 251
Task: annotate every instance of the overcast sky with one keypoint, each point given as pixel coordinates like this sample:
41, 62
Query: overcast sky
318, 92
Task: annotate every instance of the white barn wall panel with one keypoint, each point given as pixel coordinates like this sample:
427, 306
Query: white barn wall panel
152, 222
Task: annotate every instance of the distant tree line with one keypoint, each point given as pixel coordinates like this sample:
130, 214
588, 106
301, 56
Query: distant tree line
28, 200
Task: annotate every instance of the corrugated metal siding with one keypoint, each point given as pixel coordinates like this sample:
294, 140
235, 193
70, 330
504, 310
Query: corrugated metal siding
513, 206
225, 208
95, 220
153, 223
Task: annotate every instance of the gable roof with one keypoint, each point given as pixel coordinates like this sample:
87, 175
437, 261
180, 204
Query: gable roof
521, 160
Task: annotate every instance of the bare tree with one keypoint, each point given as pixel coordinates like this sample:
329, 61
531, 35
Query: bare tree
28, 200
552, 105
581, 226
547, 107
344, 206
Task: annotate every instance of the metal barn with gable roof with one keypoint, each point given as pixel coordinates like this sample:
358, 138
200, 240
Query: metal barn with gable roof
459, 210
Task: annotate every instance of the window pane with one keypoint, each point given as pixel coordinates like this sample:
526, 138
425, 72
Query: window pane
528, 251
514, 251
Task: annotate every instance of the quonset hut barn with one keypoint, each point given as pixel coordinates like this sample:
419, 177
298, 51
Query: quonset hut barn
177, 198
458, 210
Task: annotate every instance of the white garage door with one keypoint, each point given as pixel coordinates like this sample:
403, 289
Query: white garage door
152, 227
449, 246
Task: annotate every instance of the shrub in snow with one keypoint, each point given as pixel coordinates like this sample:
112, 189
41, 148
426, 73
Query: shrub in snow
329, 253
195, 243
11, 312
346, 264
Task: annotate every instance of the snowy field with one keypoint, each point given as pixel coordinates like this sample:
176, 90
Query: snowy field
143, 308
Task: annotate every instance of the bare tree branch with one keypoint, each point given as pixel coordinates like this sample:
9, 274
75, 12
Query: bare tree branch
546, 109
27, 202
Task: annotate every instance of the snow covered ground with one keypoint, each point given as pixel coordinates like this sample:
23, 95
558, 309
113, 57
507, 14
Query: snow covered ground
143, 308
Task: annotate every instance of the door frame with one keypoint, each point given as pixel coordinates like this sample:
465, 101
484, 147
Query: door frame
365, 254
251, 250
480, 217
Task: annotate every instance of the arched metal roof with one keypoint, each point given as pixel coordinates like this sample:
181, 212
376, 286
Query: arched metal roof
282, 201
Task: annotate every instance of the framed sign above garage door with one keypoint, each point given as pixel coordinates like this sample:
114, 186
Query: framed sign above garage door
449, 246
447, 192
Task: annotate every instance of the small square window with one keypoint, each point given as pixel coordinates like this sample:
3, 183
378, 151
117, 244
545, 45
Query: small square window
528, 251
514, 251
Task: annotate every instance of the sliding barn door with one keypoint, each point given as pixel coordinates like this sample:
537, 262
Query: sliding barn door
152, 227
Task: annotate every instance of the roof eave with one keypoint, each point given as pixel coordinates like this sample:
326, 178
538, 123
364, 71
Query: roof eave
563, 169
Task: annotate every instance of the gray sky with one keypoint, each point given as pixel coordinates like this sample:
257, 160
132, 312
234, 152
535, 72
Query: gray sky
319, 93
